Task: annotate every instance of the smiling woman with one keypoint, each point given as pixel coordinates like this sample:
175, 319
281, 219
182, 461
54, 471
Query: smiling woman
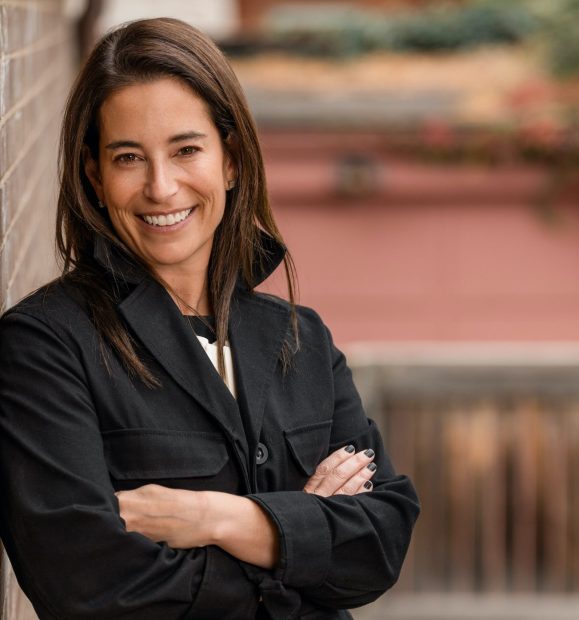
172, 443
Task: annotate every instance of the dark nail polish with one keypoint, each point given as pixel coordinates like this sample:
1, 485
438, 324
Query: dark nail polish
349, 449
367, 485
372, 466
369, 453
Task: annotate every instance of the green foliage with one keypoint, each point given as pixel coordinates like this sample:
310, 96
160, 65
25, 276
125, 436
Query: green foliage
445, 29
341, 31
316, 30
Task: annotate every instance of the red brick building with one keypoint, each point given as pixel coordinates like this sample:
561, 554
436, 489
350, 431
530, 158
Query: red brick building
398, 236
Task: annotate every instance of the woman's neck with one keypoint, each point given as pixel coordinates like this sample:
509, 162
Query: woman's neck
189, 291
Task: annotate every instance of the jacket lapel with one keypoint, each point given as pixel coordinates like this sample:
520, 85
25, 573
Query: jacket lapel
257, 329
159, 325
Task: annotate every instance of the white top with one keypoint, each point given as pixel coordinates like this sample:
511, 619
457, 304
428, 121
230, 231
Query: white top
211, 350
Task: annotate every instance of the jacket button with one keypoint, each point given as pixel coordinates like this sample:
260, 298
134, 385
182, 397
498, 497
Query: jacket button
261, 454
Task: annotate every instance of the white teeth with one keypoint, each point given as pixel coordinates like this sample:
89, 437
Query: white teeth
166, 220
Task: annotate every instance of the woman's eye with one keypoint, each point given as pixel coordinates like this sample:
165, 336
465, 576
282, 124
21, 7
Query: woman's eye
188, 150
126, 158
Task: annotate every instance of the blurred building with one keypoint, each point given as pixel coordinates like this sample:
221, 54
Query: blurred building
405, 191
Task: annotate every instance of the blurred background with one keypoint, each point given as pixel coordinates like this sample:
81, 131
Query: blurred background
422, 161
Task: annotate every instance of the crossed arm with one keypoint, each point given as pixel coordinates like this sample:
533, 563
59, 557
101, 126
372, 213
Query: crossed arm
186, 519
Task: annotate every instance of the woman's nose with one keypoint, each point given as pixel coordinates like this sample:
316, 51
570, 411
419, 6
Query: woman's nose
161, 182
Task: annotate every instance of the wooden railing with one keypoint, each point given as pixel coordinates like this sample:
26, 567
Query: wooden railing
492, 446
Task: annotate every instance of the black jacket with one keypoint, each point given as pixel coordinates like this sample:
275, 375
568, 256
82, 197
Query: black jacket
71, 433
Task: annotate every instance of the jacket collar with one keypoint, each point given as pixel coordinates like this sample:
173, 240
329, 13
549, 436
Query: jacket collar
257, 329
123, 266
118, 263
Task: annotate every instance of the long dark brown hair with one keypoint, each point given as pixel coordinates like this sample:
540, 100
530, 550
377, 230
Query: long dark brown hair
143, 51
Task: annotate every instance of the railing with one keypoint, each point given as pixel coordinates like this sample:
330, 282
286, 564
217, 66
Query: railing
490, 437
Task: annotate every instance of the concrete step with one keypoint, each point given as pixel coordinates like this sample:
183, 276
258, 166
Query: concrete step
471, 607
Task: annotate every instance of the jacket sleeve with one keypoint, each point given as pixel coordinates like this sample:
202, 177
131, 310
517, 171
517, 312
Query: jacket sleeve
59, 517
345, 551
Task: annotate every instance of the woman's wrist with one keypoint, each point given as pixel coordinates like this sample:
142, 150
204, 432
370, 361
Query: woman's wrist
242, 528
223, 516
216, 516
189, 523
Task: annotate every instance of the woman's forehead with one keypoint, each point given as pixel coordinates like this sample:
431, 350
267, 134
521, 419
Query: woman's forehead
166, 107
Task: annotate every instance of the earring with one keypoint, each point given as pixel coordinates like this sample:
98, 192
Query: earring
230, 185
101, 205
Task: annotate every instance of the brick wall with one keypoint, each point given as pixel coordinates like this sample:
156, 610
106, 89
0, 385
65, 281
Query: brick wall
35, 70
36, 58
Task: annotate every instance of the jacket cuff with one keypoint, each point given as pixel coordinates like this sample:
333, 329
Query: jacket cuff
304, 535
225, 591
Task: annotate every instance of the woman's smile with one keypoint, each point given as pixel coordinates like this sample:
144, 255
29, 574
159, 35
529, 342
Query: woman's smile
167, 222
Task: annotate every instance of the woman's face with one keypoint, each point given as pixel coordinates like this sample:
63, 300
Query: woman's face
162, 174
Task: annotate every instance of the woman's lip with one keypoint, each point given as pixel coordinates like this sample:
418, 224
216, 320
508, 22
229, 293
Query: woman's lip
169, 227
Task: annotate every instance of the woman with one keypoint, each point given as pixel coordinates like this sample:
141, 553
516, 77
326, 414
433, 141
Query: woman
148, 472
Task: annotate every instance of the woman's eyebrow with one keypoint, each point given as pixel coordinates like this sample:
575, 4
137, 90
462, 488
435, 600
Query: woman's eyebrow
180, 137
189, 135
120, 144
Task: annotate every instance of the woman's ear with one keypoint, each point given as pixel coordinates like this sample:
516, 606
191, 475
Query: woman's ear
91, 169
229, 162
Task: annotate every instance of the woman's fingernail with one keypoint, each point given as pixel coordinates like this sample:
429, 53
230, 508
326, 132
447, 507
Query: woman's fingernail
372, 466
367, 485
369, 453
349, 449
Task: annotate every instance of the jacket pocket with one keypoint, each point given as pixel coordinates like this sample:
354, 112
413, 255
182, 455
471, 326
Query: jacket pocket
149, 454
309, 444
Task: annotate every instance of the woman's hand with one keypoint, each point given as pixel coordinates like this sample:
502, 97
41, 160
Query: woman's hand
344, 472
185, 519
